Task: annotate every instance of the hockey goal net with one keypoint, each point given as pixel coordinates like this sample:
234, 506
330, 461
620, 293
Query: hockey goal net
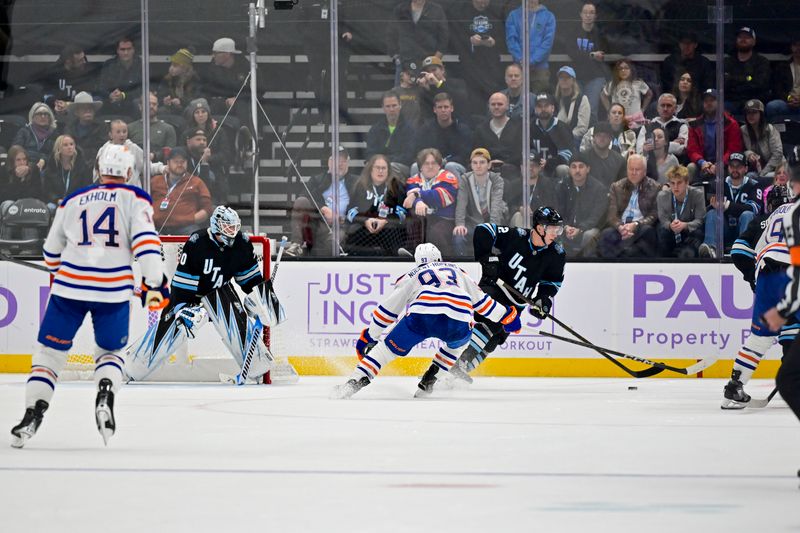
202, 359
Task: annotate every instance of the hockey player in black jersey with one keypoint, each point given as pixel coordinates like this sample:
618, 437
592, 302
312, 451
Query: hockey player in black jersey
530, 261
210, 259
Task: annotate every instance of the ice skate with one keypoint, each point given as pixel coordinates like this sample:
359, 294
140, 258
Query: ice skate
343, 392
459, 372
735, 396
426, 384
104, 410
29, 425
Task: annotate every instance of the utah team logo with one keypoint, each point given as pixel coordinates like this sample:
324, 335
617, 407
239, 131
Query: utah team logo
481, 25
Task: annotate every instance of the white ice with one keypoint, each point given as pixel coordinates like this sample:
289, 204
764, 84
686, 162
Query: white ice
549, 455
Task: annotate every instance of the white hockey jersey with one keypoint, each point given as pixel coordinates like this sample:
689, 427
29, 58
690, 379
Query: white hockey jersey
790, 303
96, 234
437, 288
772, 243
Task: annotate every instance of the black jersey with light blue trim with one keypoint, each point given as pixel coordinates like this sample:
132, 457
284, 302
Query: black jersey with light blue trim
206, 265
522, 265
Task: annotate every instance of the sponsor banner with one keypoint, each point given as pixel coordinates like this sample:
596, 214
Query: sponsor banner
675, 311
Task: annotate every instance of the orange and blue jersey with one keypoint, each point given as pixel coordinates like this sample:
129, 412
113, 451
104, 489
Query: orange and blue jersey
438, 193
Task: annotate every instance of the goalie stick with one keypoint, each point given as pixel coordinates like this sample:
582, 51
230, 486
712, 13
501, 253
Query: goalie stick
760, 404
241, 378
634, 373
689, 371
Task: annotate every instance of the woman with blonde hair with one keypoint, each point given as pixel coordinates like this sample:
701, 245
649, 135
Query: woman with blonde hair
38, 135
66, 171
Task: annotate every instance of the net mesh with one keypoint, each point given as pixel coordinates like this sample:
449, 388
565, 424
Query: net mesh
80, 366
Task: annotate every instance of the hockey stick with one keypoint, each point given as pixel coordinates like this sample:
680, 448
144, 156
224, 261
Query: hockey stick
760, 404
634, 373
241, 377
689, 371
5, 256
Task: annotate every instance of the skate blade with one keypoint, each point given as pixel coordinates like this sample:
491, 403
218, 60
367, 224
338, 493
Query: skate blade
104, 423
422, 393
341, 392
19, 441
732, 405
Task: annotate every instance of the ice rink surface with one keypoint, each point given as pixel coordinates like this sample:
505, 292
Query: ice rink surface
549, 455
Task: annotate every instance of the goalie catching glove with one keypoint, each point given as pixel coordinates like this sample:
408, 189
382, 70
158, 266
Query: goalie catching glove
511, 321
155, 298
541, 307
365, 343
262, 302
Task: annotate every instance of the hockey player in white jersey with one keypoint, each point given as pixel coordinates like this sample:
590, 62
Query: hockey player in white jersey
760, 253
434, 300
96, 234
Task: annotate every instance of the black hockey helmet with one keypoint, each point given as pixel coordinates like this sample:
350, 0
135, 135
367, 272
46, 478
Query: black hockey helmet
547, 216
777, 196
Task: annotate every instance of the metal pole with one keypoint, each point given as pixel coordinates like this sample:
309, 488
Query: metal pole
526, 114
252, 48
720, 127
146, 94
334, 76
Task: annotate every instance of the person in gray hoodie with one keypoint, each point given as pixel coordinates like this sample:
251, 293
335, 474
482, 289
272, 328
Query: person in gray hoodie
479, 200
582, 201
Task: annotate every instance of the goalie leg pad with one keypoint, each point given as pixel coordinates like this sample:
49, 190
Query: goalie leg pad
159, 342
240, 334
46, 365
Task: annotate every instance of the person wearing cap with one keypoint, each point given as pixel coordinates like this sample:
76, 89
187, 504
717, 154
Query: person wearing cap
433, 81
38, 135
477, 37
225, 76
121, 79
747, 73
786, 85
762, 141
701, 148
676, 130
479, 200
587, 48
541, 191
314, 209
410, 93
418, 29
392, 136
501, 135
162, 135
83, 125
551, 138
574, 109
681, 211
687, 59
447, 134
513, 91
581, 200
205, 162
607, 165
741, 199
70, 74
197, 115
541, 33
181, 201
632, 214
181, 84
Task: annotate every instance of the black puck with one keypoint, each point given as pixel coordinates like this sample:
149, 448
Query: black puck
637, 388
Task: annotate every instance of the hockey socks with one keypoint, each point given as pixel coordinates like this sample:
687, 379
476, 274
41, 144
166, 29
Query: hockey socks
370, 364
750, 355
108, 365
45, 367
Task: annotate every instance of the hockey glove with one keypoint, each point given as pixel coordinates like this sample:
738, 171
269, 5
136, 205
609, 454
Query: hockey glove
192, 318
541, 307
490, 270
155, 298
511, 321
365, 343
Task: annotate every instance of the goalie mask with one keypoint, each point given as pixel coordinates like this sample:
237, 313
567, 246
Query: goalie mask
225, 224
427, 253
116, 160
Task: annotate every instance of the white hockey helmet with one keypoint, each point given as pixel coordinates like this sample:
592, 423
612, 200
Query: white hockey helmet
116, 160
427, 253
225, 224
